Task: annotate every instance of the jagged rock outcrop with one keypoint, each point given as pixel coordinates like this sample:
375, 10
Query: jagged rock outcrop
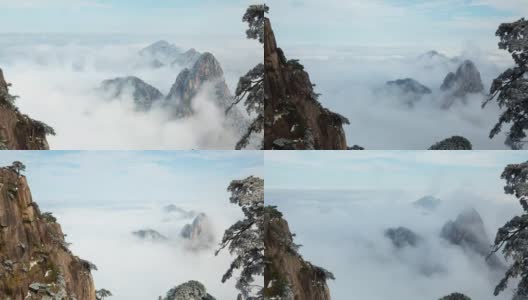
149, 235
191, 290
206, 70
35, 262
408, 90
465, 81
163, 53
18, 131
468, 232
402, 237
427, 202
143, 94
294, 118
453, 143
287, 275
200, 232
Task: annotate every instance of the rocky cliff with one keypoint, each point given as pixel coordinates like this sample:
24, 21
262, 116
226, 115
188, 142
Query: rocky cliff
18, 131
35, 262
294, 117
287, 275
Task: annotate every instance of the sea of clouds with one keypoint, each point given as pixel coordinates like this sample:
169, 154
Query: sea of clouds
132, 268
348, 240
350, 77
56, 77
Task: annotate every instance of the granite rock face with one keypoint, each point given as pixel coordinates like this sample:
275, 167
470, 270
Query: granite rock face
294, 118
35, 262
19, 131
287, 275
143, 94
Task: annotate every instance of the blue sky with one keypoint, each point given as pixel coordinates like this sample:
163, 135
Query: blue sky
205, 17
430, 172
130, 178
413, 23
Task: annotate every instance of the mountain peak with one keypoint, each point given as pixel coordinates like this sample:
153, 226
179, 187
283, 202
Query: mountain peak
465, 81
295, 119
468, 231
189, 82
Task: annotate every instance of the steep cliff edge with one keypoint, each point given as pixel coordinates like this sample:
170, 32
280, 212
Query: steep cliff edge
287, 275
294, 117
18, 131
35, 262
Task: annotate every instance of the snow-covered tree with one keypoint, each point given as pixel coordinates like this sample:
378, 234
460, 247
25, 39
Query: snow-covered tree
510, 89
512, 238
245, 239
254, 16
250, 88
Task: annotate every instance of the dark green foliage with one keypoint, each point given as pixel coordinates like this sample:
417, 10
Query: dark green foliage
295, 64
512, 238
272, 212
453, 143
18, 167
251, 86
455, 296
43, 127
48, 217
244, 239
254, 16
510, 89
102, 293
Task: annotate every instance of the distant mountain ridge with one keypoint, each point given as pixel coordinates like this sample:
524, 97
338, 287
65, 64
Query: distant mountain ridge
143, 94
168, 54
204, 71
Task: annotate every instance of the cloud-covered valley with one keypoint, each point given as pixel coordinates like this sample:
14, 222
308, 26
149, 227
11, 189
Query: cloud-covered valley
58, 76
349, 240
